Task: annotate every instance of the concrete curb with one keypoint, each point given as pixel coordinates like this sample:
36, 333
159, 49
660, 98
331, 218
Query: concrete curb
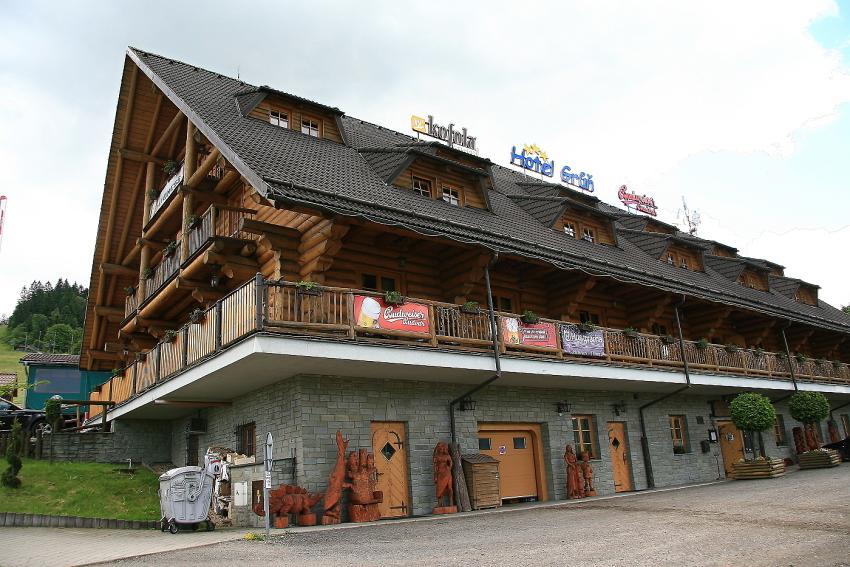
22, 520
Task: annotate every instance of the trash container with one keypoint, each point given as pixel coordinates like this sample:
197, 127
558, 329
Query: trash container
185, 494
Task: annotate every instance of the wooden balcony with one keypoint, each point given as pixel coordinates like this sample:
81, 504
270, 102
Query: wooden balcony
284, 308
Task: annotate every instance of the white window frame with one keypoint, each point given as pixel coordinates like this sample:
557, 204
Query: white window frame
279, 118
423, 191
451, 195
570, 229
588, 234
310, 127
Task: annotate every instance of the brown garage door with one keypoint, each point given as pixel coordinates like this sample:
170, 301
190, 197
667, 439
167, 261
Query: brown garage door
515, 450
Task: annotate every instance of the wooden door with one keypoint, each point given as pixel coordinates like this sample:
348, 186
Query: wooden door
515, 452
618, 449
731, 444
390, 450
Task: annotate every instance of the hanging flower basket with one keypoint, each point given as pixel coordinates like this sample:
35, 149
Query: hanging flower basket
529, 317
586, 327
130, 290
631, 332
146, 273
758, 352
170, 167
393, 298
800, 357
732, 349
197, 316
152, 194
668, 339
308, 288
170, 249
169, 336
702, 344
193, 221
470, 307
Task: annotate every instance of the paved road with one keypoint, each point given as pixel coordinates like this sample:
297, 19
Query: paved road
800, 519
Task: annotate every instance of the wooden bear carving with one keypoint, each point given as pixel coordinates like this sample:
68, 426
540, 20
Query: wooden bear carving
288, 499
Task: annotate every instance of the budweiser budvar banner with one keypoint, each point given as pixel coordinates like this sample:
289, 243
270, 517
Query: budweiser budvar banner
373, 313
576, 341
515, 332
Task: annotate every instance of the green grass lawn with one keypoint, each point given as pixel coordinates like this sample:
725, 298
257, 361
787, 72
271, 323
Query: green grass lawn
88, 490
9, 361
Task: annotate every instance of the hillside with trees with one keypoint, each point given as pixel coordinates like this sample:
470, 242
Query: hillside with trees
48, 317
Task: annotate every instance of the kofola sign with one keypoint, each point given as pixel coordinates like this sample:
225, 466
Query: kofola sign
373, 313
532, 158
447, 134
641, 203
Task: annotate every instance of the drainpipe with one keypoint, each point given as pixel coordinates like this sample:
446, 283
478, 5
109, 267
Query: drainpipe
494, 335
644, 441
788, 354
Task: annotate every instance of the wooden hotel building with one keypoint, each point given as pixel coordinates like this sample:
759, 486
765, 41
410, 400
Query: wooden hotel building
610, 331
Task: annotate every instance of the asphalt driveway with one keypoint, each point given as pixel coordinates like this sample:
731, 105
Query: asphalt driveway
800, 519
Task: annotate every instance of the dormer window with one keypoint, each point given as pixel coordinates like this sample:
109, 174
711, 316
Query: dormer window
310, 127
570, 229
278, 118
421, 186
588, 234
451, 196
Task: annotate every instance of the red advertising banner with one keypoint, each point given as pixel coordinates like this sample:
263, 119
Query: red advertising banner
515, 332
373, 313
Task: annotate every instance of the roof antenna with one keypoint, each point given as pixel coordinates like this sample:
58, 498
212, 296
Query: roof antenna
237, 73
691, 218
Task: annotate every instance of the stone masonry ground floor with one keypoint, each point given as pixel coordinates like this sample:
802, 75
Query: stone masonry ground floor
304, 412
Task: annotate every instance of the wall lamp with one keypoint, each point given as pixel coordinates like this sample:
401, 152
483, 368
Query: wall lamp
467, 404
564, 407
619, 408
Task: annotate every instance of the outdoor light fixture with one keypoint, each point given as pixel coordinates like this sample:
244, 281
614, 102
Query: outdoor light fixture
215, 276
564, 407
467, 404
619, 408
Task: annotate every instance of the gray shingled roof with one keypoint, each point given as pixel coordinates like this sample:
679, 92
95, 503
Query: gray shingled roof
48, 358
730, 268
297, 169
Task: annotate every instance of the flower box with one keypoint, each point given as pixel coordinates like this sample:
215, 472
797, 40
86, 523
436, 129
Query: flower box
758, 468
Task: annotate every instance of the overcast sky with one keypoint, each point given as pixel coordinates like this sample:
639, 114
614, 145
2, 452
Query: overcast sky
740, 107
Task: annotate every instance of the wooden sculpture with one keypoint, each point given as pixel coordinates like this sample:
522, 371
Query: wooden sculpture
833, 432
336, 482
288, 499
443, 482
364, 499
799, 441
587, 474
811, 439
575, 482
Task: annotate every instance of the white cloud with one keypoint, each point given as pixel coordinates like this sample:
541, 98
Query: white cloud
627, 91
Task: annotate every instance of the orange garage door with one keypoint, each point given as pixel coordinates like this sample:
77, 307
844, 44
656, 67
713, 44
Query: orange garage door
514, 450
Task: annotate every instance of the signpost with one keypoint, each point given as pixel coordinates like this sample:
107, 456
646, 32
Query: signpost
267, 478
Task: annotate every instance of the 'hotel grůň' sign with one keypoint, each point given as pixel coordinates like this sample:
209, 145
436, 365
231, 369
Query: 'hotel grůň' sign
447, 134
532, 158
641, 203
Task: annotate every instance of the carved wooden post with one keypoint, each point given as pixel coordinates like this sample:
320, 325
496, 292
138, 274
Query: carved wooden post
217, 325
190, 162
258, 283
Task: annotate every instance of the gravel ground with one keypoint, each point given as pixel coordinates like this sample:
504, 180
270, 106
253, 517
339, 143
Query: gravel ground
800, 519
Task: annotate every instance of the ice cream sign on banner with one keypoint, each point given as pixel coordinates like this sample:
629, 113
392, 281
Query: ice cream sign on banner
373, 313
517, 333
532, 158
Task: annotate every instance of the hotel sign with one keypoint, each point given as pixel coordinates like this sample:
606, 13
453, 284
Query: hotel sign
641, 203
447, 134
532, 158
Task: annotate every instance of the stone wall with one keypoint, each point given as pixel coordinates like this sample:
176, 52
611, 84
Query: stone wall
144, 441
304, 412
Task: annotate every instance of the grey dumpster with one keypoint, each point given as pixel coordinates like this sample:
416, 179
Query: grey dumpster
185, 494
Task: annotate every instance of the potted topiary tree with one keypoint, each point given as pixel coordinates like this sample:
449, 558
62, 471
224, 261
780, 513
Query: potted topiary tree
529, 317
810, 408
53, 413
9, 478
753, 413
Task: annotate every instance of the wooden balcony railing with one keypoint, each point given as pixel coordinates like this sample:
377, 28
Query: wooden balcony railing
131, 303
218, 220
162, 274
286, 308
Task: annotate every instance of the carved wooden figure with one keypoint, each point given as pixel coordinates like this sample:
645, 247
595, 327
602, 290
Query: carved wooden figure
288, 499
811, 439
587, 474
364, 499
575, 482
443, 481
833, 432
799, 440
336, 483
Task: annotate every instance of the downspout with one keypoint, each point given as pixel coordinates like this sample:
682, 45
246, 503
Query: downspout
644, 441
494, 335
788, 354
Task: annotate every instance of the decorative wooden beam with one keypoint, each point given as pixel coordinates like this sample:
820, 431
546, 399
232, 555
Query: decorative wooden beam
117, 269
318, 248
205, 196
155, 244
134, 155
103, 355
461, 277
203, 169
190, 160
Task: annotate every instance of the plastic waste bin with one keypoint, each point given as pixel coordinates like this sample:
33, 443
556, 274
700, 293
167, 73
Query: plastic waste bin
185, 494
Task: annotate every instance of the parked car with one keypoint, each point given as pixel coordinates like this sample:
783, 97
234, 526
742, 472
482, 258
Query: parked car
31, 420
